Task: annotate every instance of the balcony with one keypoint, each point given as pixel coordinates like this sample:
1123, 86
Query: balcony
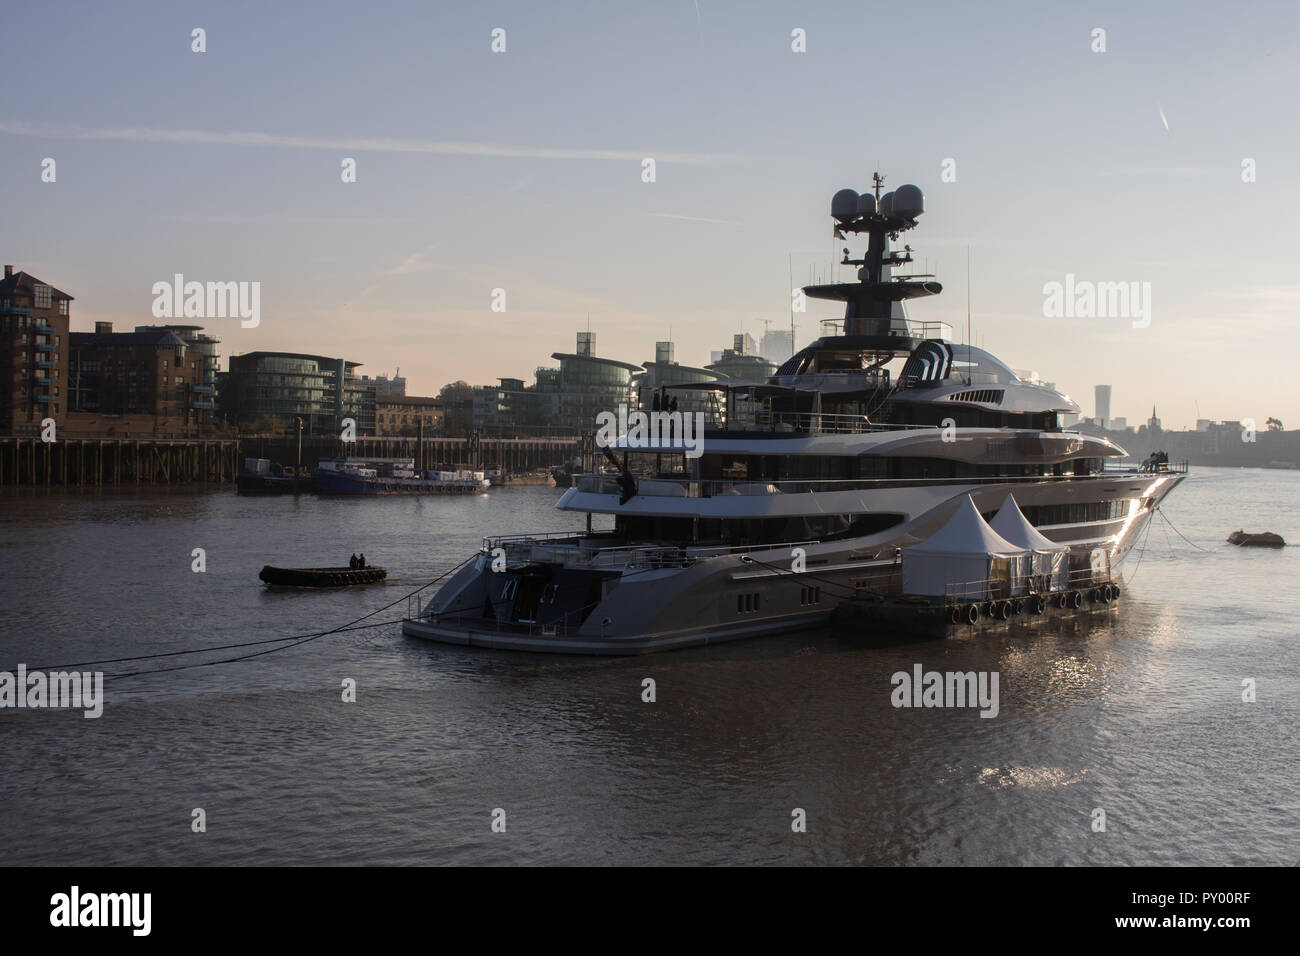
46, 363
204, 389
14, 310
44, 347
44, 328
208, 405
45, 398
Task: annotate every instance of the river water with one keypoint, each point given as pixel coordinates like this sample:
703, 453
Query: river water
1138, 713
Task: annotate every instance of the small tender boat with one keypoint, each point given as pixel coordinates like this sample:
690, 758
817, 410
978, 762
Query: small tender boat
1263, 539
260, 476
321, 577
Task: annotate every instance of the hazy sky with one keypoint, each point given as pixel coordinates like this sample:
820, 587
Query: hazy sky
522, 170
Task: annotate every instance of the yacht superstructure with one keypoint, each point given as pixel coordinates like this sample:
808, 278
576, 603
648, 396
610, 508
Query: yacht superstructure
863, 443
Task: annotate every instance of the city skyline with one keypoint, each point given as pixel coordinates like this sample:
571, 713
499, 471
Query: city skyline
478, 171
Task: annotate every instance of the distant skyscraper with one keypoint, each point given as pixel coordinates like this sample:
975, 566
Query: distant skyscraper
776, 345
1103, 405
385, 385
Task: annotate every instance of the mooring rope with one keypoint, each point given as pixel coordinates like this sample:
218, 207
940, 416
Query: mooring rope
1162, 514
1142, 553
295, 639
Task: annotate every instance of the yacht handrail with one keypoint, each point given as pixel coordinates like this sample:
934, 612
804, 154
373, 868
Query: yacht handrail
819, 423
915, 328
647, 555
1033, 583
491, 541
712, 488
1179, 467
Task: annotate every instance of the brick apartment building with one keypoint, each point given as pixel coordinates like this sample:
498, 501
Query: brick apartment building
33, 354
407, 415
134, 384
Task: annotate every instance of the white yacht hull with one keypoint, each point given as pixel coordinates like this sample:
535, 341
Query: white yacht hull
744, 594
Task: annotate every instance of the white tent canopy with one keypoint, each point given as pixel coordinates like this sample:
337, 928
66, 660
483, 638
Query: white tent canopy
1049, 558
1010, 522
962, 557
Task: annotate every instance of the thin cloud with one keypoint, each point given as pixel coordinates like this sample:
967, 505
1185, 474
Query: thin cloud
1183, 171
415, 262
670, 215
282, 219
200, 137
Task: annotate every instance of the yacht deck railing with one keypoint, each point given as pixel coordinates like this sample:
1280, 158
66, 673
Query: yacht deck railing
1023, 585
815, 423
689, 488
576, 552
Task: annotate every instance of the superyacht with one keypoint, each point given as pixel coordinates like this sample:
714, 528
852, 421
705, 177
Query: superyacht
808, 486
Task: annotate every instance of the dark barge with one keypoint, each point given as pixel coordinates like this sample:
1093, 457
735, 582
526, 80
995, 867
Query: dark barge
321, 577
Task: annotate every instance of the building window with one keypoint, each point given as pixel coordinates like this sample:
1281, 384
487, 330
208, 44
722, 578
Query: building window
44, 297
63, 307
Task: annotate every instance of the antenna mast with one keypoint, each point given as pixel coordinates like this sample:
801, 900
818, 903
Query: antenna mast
968, 325
791, 294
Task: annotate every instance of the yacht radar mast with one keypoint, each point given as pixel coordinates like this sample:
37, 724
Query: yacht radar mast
873, 302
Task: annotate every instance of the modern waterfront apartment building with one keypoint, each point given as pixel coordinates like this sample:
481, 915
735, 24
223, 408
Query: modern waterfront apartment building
583, 387
320, 390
